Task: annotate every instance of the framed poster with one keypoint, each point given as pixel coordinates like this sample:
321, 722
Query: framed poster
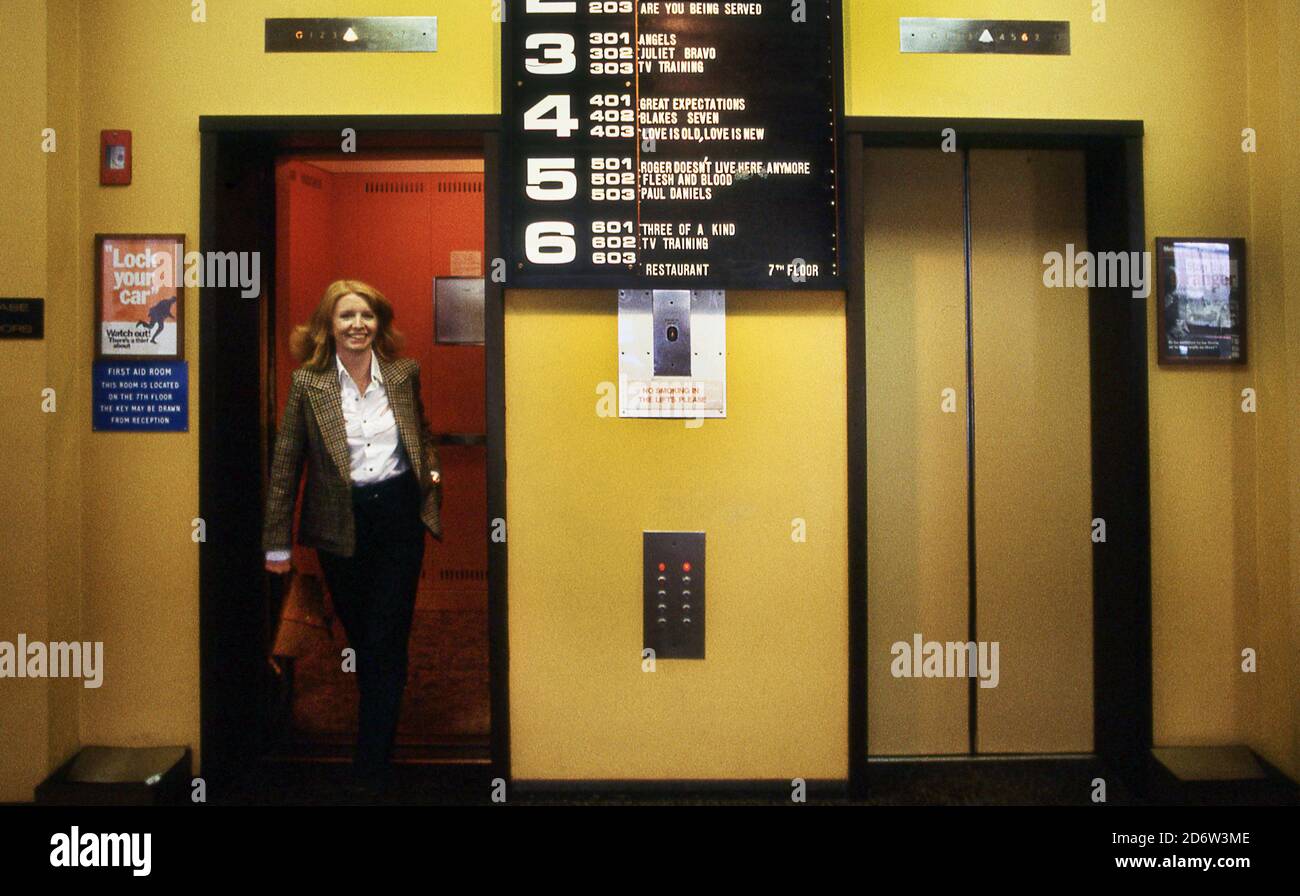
139, 296
1200, 300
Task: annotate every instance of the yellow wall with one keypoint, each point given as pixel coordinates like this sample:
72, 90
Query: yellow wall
39, 520
1271, 700
125, 566
770, 698
24, 710
1177, 64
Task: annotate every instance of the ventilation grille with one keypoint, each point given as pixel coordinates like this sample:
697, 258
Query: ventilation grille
463, 575
460, 186
394, 186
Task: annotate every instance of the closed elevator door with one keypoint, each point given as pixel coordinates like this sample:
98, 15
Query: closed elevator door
979, 457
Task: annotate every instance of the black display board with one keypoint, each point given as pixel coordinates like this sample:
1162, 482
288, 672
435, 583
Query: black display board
672, 144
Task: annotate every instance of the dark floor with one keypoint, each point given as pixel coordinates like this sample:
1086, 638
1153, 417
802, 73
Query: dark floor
1016, 782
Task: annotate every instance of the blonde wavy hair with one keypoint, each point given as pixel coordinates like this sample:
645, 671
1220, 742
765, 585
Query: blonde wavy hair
312, 343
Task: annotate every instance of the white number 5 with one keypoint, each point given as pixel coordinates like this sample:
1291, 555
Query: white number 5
558, 172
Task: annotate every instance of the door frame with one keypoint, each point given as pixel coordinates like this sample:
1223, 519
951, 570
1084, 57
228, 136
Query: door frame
237, 213
1121, 567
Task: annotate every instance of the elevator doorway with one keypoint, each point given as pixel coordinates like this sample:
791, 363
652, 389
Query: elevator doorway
979, 455
411, 209
410, 225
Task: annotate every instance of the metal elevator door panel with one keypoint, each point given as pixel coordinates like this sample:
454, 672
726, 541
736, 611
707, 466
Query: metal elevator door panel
1033, 482
916, 451
1029, 460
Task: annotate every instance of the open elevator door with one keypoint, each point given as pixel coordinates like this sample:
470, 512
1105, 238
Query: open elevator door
412, 226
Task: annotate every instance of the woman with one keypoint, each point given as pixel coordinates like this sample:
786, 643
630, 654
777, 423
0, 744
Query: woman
355, 415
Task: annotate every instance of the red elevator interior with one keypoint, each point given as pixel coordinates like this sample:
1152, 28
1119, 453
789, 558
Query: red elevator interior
398, 223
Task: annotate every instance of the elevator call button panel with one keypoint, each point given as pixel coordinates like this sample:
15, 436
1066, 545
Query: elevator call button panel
672, 332
673, 594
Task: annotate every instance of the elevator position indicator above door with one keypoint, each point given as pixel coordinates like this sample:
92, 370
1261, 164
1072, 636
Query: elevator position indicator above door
357, 34
1020, 37
673, 594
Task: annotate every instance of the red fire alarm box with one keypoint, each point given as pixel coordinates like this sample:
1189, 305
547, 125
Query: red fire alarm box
114, 157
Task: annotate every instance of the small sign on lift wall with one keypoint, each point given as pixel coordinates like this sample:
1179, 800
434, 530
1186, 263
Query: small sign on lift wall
22, 318
1018, 37
140, 396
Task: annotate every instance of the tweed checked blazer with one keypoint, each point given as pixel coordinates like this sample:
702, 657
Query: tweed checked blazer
313, 429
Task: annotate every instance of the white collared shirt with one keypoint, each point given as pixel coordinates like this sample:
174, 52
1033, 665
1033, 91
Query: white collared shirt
374, 443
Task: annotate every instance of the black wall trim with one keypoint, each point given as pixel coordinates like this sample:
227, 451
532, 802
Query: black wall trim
287, 125
1123, 727
972, 589
855, 359
1017, 133
494, 336
234, 616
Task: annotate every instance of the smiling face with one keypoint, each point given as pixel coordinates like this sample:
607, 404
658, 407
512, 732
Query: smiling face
355, 324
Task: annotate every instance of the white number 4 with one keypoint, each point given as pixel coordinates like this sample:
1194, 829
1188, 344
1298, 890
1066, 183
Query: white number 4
564, 124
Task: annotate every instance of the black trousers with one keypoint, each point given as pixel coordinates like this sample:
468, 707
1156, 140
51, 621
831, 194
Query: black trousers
374, 595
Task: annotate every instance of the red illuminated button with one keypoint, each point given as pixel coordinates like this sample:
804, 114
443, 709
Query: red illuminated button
686, 567
663, 566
